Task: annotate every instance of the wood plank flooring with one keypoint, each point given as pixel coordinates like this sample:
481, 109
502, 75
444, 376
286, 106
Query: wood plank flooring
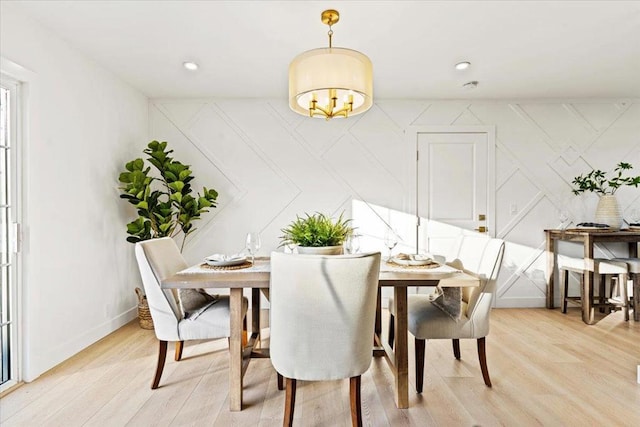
547, 369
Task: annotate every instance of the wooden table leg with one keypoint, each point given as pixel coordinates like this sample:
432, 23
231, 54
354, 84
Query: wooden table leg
377, 331
588, 312
551, 249
633, 249
401, 348
235, 350
255, 315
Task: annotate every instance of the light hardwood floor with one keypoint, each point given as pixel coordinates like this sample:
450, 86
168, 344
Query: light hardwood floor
547, 369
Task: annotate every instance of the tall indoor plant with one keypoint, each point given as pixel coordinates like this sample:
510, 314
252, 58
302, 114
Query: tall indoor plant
596, 181
164, 203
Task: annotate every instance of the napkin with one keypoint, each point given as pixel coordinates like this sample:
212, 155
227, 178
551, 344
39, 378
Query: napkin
223, 257
412, 257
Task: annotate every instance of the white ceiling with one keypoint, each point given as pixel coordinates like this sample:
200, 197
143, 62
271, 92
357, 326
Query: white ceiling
518, 49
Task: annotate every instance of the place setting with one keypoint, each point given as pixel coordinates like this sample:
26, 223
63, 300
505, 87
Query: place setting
236, 261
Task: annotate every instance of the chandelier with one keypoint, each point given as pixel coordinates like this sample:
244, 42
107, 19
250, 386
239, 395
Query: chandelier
330, 82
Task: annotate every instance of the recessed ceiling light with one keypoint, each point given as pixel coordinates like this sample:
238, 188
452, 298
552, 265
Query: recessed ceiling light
463, 65
191, 66
470, 85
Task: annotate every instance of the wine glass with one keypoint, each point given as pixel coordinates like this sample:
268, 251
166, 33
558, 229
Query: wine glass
390, 240
253, 244
352, 244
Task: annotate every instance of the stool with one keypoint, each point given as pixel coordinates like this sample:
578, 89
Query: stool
601, 267
634, 274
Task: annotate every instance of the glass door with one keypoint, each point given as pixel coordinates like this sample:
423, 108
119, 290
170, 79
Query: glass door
8, 232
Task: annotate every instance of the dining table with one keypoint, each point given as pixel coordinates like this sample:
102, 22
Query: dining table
256, 278
588, 238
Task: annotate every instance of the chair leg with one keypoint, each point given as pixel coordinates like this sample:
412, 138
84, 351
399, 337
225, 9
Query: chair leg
602, 291
482, 355
245, 334
280, 381
564, 287
162, 355
179, 347
636, 295
290, 402
419, 344
392, 332
356, 401
456, 348
624, 294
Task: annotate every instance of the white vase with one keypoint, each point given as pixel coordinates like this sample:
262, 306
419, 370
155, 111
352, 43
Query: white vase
321, 250
608, 211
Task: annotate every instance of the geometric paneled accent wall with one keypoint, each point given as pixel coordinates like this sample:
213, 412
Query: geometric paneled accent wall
269, 164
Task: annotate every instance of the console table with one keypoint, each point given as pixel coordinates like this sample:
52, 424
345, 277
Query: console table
588, 238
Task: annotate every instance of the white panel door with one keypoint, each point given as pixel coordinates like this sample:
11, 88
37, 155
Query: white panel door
454, 186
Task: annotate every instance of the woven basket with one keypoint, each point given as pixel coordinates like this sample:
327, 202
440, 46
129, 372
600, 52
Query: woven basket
144, 315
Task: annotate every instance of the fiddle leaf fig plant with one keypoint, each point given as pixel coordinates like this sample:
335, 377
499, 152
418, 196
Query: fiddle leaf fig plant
596, 181
165, 204
316, 230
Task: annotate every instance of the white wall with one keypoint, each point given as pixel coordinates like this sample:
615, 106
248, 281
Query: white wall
270, 164
83, 125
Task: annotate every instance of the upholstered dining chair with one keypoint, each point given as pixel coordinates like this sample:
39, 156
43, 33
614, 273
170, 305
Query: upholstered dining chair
323, 311
479, 256
178, 316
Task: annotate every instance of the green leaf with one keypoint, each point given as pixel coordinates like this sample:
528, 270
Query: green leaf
177, 186
176, 197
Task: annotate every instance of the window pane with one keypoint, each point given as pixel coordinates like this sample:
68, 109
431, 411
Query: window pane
4, 354
4, 293
4, 235
4, 174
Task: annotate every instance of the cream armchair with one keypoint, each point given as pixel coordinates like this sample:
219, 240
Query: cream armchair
322, 320
157, 260
479, 256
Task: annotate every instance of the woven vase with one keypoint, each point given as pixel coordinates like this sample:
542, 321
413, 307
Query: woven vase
608, 211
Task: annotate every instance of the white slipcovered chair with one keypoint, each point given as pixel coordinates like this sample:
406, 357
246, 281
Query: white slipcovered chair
477, 255
322, 319
634, 273
602, 269
188, 315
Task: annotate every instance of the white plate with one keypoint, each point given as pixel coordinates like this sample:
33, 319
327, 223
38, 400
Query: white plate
592, 228
419, 261
221, 260
634, 227
226, 263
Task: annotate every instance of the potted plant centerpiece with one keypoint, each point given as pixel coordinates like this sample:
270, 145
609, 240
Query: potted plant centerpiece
317, 234
596, 181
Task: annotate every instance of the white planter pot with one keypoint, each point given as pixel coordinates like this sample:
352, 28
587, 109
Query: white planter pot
608, 212
320, 250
